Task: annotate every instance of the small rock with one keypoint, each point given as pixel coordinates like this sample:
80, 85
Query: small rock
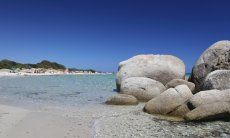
122, 99
175, 82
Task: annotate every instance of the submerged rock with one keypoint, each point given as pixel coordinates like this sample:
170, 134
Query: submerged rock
219, 79
175, 82
169, 100
162, 68
122, 99
216, 57
143, 89
213, 111
208, 97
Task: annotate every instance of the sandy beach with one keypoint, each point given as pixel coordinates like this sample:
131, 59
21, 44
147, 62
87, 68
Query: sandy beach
99, 121
44, 123
52, 122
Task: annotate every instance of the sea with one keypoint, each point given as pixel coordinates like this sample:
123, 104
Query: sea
63, 90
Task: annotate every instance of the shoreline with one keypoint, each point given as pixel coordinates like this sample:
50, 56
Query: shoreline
47, 74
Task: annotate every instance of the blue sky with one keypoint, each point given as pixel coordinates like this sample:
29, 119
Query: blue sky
99, 34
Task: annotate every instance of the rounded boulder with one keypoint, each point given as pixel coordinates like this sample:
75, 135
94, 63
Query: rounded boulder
218, 79
213, 111
208, 97
144, 89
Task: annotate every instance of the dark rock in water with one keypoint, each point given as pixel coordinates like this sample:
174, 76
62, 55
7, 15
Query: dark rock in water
175, 82
169, 100
219, 79
122, 99
216, 57
162, 68
144, 89
209, 112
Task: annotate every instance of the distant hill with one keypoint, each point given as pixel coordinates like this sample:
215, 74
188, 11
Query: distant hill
8, 64
47, 64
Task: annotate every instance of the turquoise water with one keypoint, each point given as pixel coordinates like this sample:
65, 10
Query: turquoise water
187, 75
59, 90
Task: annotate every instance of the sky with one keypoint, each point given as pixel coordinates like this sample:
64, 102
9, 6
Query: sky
99, 34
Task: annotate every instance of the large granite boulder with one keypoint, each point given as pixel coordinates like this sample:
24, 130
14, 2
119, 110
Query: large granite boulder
175, 82
213, 111
144, 89
162, 68
169, 100
219, 79
216, 57
208, 97
122, 99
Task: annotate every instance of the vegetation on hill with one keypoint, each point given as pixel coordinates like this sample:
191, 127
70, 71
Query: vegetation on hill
47, 64
8, 64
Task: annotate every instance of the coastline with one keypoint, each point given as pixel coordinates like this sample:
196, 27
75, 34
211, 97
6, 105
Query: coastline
4, 74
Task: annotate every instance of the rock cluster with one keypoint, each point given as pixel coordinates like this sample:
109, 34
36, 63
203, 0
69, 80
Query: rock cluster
159, 80
168, 100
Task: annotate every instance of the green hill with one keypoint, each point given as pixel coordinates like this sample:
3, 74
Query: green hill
8, 64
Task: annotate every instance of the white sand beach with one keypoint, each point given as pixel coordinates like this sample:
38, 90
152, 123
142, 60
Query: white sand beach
45, 123
98, 121
50, 122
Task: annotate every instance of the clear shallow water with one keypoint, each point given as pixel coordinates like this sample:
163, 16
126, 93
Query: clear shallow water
66, 90
187, 75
